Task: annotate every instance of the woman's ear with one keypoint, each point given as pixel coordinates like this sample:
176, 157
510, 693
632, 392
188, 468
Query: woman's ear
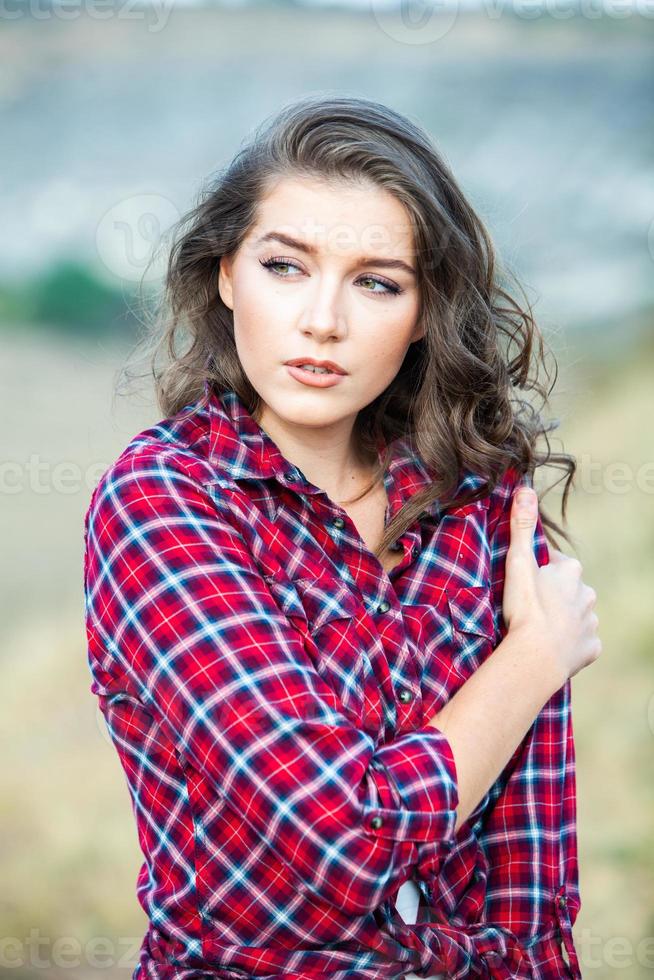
418, 332
225, 281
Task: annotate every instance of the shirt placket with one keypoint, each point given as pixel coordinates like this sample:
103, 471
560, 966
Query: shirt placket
403, 666
407, 680
406, 683
331, 522
408, 707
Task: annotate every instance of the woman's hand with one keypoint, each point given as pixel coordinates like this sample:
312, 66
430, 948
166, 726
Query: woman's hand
549, 604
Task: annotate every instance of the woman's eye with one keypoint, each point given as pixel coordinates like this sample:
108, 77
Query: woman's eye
274, 264
386, 286
271, 263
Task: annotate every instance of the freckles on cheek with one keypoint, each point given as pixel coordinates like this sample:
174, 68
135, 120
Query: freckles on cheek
247, 320
253, 343
386, 356
378, 372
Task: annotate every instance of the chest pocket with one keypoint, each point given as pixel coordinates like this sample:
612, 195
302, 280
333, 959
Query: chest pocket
314, 600
325, 610
452, 631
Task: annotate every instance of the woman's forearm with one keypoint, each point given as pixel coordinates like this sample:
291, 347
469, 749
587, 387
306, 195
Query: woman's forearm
487, 718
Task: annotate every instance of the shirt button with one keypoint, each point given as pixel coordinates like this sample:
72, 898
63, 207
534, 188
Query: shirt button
415, 551
395, 546
338, 522
562, 900
376, 823
383, 606
405, 696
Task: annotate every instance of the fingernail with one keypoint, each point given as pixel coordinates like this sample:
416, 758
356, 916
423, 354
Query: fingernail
525, 498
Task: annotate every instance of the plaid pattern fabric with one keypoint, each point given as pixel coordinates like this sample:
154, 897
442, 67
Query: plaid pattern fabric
267, 687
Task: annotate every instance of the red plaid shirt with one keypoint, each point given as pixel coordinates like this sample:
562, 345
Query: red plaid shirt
267, 686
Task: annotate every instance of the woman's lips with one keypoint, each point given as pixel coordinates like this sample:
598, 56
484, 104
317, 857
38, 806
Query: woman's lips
313, 380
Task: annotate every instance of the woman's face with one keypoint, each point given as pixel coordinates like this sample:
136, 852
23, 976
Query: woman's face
325, 273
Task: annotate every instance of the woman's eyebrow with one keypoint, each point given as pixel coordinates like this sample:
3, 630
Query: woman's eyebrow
278, 236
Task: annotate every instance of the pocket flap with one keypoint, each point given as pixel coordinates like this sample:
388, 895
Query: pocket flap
326, 598
471, 609
316, 599
287, 597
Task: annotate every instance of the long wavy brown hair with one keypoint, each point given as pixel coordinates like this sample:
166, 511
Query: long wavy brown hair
469, 395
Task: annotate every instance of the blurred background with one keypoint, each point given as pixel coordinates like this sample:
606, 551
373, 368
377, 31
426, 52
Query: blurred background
112, 116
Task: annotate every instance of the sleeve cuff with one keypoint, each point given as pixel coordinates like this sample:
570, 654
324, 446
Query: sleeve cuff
416, 780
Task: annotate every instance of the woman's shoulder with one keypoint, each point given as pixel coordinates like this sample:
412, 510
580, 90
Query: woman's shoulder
493, 496
174, 449
498, 523
501, 494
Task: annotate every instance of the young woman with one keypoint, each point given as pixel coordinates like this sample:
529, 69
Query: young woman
333, 652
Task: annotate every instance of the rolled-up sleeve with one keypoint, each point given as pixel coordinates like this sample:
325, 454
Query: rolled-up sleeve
177, 607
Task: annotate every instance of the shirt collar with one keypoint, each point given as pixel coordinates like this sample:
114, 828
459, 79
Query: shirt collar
242, 450
238, 444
